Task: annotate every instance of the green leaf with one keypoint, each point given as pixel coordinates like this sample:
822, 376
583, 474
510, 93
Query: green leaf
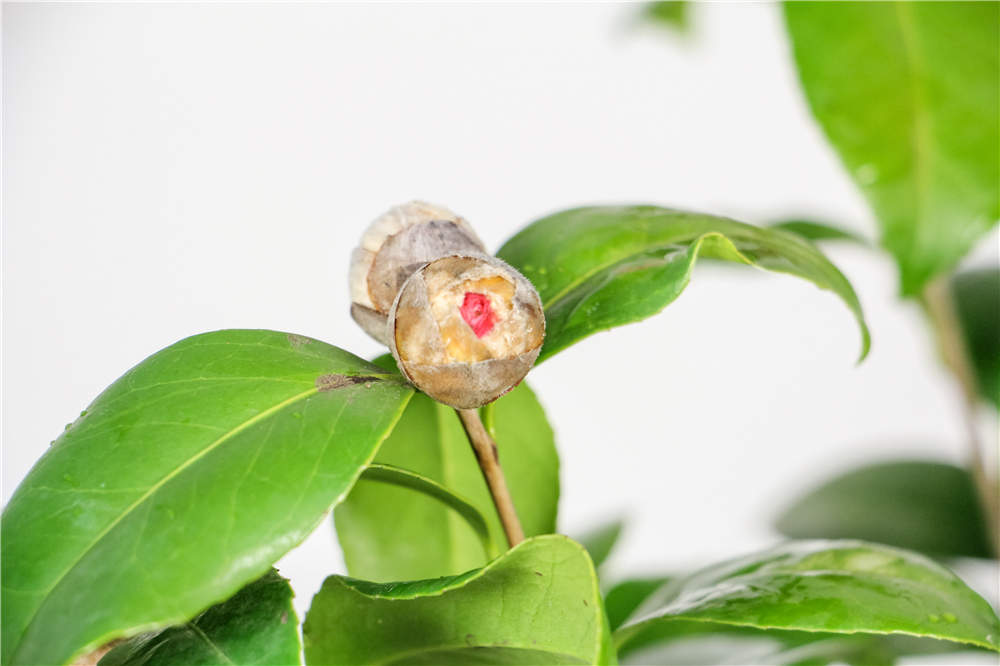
624, 597
601, 540
977, 302
926, 506
391, 534
596, 268
671, 14
538, 604
908, 93
257, 626
842, 587
695, 643
817, 231
404, 478
186, 479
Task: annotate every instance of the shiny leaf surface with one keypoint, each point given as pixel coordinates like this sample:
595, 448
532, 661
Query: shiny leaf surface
391, 534
926, 506
539, 603
182, 482
908, 93
977, 302
601, 267
695, 643
826, 586
256, 627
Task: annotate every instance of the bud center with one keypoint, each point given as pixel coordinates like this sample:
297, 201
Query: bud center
478, 313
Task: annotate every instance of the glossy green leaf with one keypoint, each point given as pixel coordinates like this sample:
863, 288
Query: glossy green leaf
817, 231
696, 643
596, 268
926, 506
977, 302
673, 14
392, 534
625, 597
256, 627
537, 604
839, 587
908, 93
601, 540
186, 479
404, 478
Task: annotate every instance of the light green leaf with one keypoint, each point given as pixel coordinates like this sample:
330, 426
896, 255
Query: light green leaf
537, 604
817, 231
926, 506
256, 627
601, 540
909, 95
842, 587
404, 478
391, 534
601, 267
186, 479
977, 302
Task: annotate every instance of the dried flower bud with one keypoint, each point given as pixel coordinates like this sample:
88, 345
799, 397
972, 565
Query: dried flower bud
466, 329
396, 244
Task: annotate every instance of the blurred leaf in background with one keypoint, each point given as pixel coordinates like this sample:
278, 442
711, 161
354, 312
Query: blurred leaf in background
977, 301
925, 506
672, 14
908, 93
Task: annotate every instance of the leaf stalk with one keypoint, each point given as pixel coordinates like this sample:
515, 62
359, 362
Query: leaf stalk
485, 449
939, 305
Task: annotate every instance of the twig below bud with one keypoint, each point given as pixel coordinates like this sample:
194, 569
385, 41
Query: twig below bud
489, 462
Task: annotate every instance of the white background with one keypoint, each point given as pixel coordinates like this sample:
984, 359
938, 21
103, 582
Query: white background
176, 169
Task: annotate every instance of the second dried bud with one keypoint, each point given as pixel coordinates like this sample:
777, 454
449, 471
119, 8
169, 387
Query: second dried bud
466, 329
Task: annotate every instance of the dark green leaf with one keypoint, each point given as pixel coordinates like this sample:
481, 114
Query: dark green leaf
186, 479
624, 597
672, 14
925, 506
392, 534
600, 541
538, 604
909, 95
596, 268
816, 231
404, 478
842, 587
256, 627
977, 300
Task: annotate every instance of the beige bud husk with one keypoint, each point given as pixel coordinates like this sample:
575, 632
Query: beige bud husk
395, 244
440, 352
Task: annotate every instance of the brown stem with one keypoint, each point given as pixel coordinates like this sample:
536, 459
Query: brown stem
940, 309
489, 462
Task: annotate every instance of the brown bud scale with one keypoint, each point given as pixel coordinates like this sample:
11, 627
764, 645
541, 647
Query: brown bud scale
466, 329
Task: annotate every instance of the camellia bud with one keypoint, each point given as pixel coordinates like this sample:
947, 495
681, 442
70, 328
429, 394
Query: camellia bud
466, 329
396, 244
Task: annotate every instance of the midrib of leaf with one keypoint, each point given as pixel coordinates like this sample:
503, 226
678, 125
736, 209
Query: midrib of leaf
152, 489
789, 627
919, 134
208, 641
